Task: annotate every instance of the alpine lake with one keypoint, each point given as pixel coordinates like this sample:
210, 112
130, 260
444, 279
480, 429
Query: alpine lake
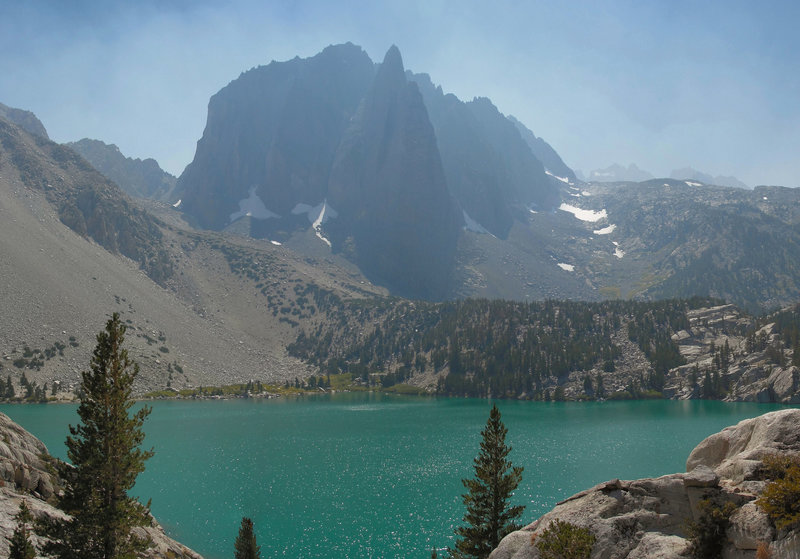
376, 475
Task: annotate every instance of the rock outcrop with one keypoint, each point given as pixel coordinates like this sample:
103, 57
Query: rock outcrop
24, 119
27, 473
648, 518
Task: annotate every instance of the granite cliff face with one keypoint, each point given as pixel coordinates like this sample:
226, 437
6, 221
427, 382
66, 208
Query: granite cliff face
273, 134
491, 170
647, 518
378, 162
389, 189
26, 471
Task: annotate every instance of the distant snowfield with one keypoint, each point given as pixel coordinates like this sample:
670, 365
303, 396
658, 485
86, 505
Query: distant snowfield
276, 243
605, 230
692, 183
175, 205
618, 253
566, 267
584, 215
252, 206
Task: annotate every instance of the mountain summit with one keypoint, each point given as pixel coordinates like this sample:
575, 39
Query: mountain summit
383, 166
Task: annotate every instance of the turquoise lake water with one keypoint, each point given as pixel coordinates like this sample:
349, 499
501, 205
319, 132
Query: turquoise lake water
372, 475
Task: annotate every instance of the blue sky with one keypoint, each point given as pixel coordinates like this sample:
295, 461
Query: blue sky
714, 85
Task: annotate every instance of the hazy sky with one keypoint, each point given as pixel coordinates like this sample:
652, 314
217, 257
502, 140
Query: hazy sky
665, 84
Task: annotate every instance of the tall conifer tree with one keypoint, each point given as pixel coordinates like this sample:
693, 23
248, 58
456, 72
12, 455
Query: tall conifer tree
489, 517
20, 546
245, 546
104, 450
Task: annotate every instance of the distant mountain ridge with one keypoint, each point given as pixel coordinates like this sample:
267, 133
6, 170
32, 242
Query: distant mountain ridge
687, 173
137, 177
618, 173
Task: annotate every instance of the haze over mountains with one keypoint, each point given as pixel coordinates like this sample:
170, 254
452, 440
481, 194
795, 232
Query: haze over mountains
618, 173
333, 178
397, 166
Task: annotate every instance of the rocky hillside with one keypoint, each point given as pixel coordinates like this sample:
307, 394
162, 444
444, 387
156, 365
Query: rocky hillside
139, 178
661, 238
650, 517
682, 349
26, 470
85, 201
666, 238
24, 119
223, 313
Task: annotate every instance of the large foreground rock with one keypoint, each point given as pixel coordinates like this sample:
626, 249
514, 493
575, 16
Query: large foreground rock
648, 518
27, 473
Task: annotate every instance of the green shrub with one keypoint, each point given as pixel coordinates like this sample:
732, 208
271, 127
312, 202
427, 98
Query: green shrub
781, 497
564, 540
707, 534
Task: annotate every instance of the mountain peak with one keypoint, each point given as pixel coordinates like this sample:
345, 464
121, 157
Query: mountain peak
24, 119
393, 57
392, 66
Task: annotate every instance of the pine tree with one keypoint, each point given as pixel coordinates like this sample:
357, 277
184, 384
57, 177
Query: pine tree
104, 450
245, 546
489, 517
20, 547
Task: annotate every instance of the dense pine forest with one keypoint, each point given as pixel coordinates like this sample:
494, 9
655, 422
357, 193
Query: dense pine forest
495, 347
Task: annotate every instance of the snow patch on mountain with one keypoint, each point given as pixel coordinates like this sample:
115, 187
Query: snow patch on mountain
325, 213
605, 230
175, 205
562, 179
584, 215
276, 243
472, 225
692, 183
252, 206
566, 267
618, 252
317, 216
